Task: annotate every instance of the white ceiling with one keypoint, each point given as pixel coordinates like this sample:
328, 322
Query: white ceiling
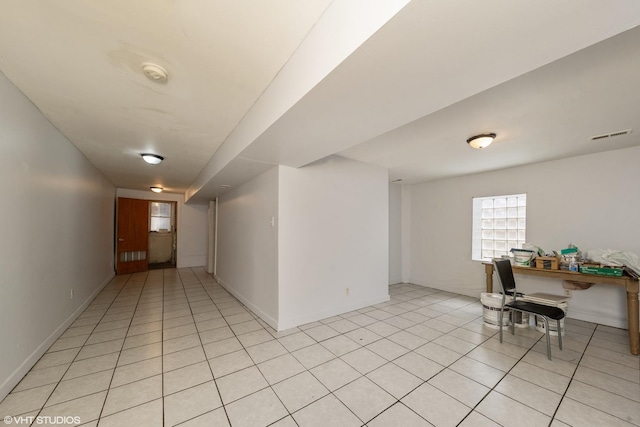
253, 84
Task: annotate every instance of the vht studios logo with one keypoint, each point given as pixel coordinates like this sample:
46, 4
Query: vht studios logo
48, 420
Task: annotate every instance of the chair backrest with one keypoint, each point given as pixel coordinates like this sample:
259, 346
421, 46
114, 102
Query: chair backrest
505, 274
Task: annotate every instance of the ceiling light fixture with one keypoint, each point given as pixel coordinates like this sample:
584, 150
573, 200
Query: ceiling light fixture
157, 189
155, 72
482, 140
152, 159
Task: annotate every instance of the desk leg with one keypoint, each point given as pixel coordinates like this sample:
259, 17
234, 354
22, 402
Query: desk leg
632, 314
488, 271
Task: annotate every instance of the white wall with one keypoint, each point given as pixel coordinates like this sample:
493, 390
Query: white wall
57, 234
395, 233
247, 249
333, 235
591, 201
191, 226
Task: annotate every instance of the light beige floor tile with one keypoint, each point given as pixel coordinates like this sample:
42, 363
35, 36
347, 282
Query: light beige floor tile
138, 354
382, 328
180, 343
494, 359
183, 358
25, 401
177, 322
474, 419
363, 336
343, 325
179, 331
280, 368
140, 340
217, 418
532, 395
219, 348
296, 341
418, 365
299, 391
92, 365
578, 414
89, 351
364, 360
133, 394
438, 354
110, 335
456, 344
244, 327
610, 368
340, 345
266, 351
63, 357
321, 332
145, 415
255, 337
398, 416
328, 411
615, 385
258, 409
542, 377
394, 380
229, 363
67, 343
387, 349
605, 401
81, 386
213, 335
191, 403
505, 411
137, 371
240, 384
183, 378
364, 398
459, 387
86, 408
435, 406
335, 374
42, 377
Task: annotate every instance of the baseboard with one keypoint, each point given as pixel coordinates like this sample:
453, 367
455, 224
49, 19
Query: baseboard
585, 316
191, 261
264, 316
33, 358
312, 317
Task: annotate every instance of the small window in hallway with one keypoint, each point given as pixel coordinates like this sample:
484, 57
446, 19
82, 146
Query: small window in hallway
160, 217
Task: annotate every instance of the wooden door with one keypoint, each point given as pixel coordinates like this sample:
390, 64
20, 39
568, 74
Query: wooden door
132, 235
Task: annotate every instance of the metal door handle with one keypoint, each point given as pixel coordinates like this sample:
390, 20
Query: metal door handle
120, 240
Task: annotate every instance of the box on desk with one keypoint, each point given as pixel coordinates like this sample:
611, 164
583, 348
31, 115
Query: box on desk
547, 263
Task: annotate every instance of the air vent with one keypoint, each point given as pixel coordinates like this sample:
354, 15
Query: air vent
611, 135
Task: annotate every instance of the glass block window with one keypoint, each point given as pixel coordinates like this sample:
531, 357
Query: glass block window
160, 217
499, 224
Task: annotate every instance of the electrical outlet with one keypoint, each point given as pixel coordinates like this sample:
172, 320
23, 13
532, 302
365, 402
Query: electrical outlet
567, 293
71, 294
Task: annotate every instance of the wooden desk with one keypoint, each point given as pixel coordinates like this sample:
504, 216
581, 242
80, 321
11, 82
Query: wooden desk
625, 281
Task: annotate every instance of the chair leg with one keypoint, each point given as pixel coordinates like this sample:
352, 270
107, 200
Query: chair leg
513, 324
559, 335
500, 323
546, 332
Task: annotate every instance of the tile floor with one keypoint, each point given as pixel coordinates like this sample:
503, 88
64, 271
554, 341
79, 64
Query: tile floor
172, 347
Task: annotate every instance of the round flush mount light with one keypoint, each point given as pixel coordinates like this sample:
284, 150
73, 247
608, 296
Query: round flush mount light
152, 159
155, 72
482, 140
157, 189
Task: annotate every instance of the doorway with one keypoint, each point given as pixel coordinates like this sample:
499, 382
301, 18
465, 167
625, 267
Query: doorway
162, 235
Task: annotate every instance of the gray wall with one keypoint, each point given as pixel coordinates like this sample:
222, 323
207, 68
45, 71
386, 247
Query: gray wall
57, 221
